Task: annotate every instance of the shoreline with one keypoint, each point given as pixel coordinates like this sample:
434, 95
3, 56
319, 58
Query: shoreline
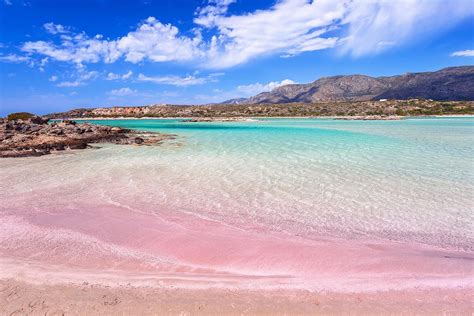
32, 287
146, 257
255, 118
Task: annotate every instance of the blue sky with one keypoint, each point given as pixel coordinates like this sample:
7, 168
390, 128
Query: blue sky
58, 55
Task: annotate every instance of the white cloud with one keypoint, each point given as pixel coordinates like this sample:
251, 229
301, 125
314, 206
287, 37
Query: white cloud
288, 28
463, 53
42, 63
157, 42
256, 88
152, 41
122, 92
114, 76
206, 16
80, 79
53, 78
68, 84
55, 28
360, 27
12, 58
189, 80
87, 75
242, 91
274, 31
78, 49
377, 25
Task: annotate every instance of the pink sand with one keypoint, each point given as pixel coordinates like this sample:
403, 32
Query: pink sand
188, 251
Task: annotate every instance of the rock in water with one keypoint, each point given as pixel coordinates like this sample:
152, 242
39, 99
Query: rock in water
33, 136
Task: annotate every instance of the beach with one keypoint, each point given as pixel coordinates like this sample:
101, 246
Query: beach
277, 216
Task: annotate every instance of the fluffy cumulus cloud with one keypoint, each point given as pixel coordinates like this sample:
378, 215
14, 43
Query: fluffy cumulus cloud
114, 76
78, 49
288, 28
152, 41
157, 42
463, 53
207, 15
55, 28
257, 88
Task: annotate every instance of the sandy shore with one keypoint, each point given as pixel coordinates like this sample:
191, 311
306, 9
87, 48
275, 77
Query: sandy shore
20, 298
44, 273
257, 118
140, 263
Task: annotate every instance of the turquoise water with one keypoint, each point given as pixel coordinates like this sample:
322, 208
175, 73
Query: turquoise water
402, 180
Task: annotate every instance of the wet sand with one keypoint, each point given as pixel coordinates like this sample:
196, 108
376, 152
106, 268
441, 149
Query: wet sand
208, 268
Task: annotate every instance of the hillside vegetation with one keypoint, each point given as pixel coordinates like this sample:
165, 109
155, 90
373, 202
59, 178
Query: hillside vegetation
391, 107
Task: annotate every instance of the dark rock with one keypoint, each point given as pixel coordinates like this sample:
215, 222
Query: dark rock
77, 145
59, 146
35, 128
38, 120
57, 131
23, 138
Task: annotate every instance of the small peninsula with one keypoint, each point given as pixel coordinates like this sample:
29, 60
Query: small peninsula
25, 134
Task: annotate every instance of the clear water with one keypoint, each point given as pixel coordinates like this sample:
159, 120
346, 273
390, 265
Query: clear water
408, 180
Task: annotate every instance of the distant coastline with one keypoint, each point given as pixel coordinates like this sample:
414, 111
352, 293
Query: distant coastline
254, 118
388, 108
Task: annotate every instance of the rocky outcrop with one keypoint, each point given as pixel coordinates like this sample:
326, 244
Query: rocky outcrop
36, 137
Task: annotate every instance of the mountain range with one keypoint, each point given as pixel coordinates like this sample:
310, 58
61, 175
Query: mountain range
447, 91
448, 84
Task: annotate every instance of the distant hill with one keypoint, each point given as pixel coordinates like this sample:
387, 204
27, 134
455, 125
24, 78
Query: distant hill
447, 91
235, 101
348, 108
448, 84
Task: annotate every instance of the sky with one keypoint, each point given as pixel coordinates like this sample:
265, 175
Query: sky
59, 55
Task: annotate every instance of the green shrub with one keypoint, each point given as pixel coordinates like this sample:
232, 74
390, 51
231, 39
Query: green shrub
400, 112
20, 116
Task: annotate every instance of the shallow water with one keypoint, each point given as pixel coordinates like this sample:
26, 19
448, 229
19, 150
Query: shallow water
263, 199
410, 179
